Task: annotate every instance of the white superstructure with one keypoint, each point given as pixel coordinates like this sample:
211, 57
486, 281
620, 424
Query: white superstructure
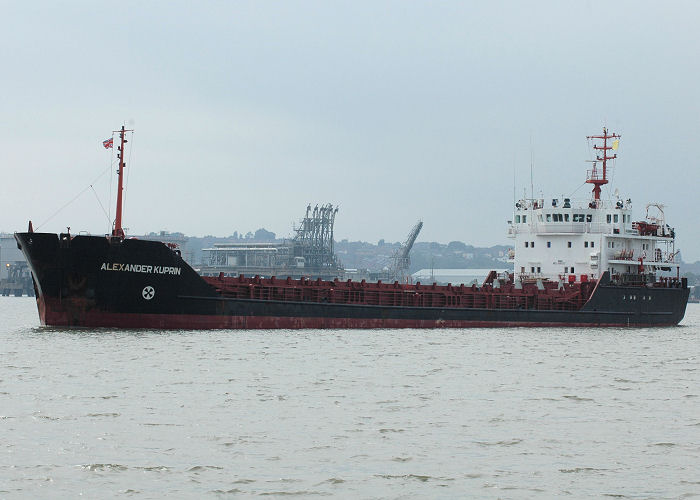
578, 240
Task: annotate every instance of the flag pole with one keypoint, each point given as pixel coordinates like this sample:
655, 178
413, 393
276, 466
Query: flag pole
118, 231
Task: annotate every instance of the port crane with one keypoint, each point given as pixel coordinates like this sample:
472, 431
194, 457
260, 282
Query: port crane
401, 258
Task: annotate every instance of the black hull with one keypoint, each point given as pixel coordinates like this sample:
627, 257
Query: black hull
93, 282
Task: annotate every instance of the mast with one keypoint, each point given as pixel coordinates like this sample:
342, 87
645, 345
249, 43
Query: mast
593, 176
118, 231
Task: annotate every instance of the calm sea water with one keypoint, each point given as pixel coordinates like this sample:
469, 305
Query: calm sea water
485, 413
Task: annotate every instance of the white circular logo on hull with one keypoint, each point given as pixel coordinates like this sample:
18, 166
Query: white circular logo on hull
148, 292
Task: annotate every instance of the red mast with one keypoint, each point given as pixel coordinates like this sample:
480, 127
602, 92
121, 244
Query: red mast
594, 176
118, 231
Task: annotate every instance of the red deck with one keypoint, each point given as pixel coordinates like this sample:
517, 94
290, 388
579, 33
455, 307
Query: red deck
571, 297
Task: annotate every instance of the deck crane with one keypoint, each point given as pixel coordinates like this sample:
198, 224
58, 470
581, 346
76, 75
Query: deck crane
401, 258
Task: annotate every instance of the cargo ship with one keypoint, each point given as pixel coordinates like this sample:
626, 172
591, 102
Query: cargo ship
575, 264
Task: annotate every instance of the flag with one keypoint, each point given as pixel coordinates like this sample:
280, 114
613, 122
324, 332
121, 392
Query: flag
616, 143
108, 143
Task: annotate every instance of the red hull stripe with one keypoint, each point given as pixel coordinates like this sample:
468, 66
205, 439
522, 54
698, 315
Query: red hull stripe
204, 322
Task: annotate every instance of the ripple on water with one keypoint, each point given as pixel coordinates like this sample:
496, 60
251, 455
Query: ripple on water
577, 470
577, 398
414, 477
104, 467
507, 442
200, 468
333, 481
302, 493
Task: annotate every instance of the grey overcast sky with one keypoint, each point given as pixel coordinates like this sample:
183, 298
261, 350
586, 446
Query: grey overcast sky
245, 111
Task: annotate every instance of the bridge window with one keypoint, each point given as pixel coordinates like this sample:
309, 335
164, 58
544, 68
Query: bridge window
589, 217
549, 217
566, 217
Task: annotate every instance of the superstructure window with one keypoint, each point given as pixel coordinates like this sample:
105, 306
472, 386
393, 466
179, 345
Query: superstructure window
569, 244
608, 218
539, 269
524, 219
592, 244
572, 269
527, 244
615, 218
566, 217
532, 270
585, 244
549, 217
589, 217
549, 244
517, 219
532, 244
